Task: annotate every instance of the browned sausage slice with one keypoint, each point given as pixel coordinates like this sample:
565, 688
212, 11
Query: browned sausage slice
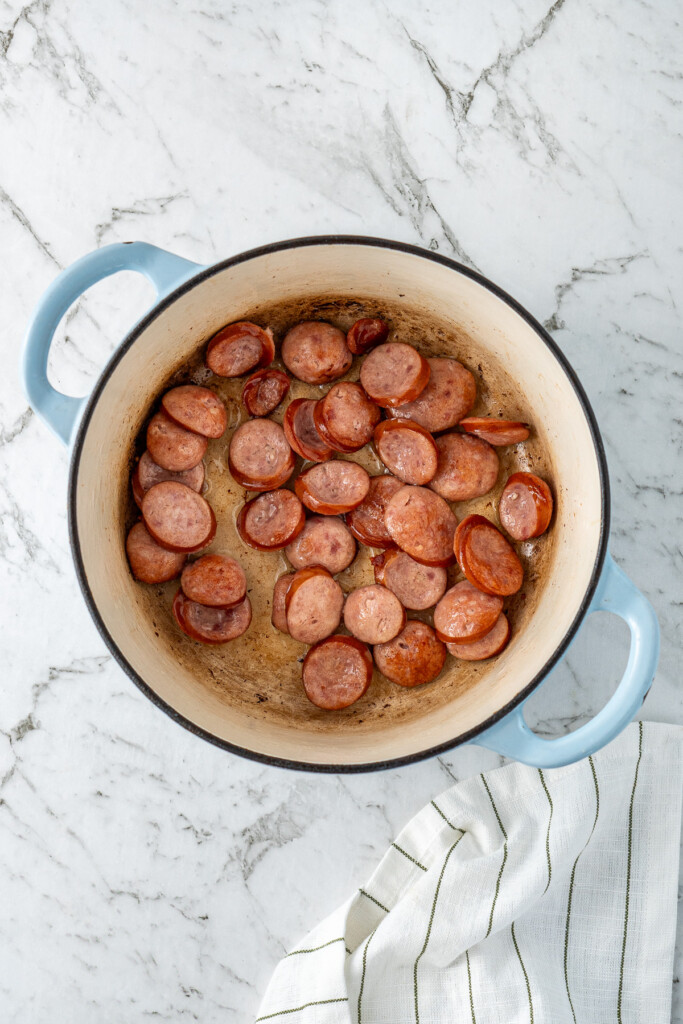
147, 474
337, 672
316, 352
301, 432
332, 487
279, 613
496, 432
264, 390
271, 521
526, 506
394, 374
345, 418
465, 614
366, 521
259, 456
449, 395
407, 450
373, 614
421, 523
488, 560
313, 604
468, 467
149, 562
417, 586
325, 541
239, 348
172, 447
197, 409
177, 517
414, 657
214, 580
493, 643
211, 625
365, 334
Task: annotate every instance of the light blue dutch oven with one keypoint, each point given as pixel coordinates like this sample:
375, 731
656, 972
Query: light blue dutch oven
248, 699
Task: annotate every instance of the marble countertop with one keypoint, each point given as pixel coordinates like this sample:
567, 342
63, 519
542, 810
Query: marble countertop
143, 872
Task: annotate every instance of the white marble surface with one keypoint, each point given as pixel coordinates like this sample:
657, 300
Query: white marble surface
144, 874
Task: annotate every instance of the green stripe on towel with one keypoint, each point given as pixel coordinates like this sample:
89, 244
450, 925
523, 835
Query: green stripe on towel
628, 871
547, 835
408, 856
304, 1006
505, 855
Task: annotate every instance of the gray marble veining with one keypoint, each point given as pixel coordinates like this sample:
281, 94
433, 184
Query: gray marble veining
143, 873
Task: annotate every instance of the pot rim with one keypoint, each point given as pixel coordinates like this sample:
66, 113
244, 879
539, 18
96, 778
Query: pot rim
350, 240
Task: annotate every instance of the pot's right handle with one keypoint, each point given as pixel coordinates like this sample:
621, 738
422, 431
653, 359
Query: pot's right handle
513, 738
165, 271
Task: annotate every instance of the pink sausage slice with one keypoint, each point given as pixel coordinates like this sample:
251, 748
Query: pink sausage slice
365, 334
197, 409
279, 613
211, 625
313, 604
346, 418
271, 521
407, 450
526, 506
366, 521
490, 645
449, 395
147, 474
373, 614
414, 657
149, 562
172, 447
239, 348
316, 352
417, 586
337, 672
324, 540
496, 432
264, 390
393, 374
259, 456
465, 614
468, 467
177, 517
214, 580
422, 524
302, 433
332, 487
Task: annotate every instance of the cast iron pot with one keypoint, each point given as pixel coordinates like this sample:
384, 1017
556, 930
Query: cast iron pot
249, 700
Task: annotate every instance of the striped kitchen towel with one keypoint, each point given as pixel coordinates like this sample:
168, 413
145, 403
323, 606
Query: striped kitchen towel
546, 897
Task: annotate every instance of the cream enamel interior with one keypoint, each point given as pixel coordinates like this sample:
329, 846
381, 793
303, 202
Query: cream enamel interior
386, 275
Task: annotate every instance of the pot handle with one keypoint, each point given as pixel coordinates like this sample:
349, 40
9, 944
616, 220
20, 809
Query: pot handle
513, 738
163, 269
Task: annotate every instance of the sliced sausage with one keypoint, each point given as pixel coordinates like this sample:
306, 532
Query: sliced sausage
414, 657
271, 521
366, 333
394, 374
325, 541
259, 456
526, 506
366, 521
214, 580
465, 614
147, 474
373, 614
279, 613
316, 352
488, 560
407, 450
449, 395
177, 517
197, 409
172, 447
468, 467
149, 562
301, 432
417, 586
239, 348
346, 418
421, 523
211, 625
332, 487
337, 672
496, 432
313, 604
490, 645
264, 390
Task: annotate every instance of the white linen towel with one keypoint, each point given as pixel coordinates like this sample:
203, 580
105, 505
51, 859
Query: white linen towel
538, 897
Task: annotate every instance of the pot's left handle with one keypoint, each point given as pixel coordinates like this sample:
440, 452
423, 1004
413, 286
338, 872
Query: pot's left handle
163, 269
